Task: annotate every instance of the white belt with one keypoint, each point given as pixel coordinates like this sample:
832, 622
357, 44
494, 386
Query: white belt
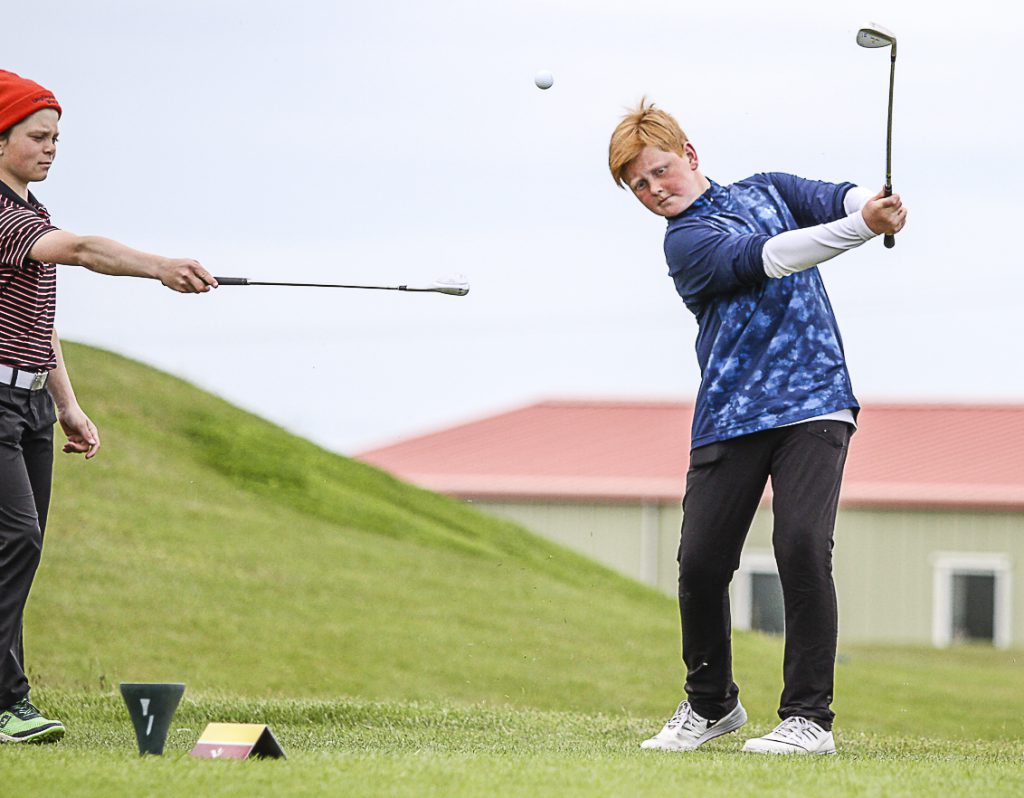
16, 378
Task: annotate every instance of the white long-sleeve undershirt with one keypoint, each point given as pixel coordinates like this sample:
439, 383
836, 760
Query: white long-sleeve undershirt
795, 250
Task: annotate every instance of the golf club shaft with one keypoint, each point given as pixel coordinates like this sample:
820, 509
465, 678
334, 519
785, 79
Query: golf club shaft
439, 289
246, 281
890, 240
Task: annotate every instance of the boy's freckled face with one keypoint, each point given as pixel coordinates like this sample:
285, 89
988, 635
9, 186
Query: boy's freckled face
665, 182
30, 149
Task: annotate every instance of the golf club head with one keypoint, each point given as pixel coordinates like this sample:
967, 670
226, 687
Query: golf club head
876, 36
456, 285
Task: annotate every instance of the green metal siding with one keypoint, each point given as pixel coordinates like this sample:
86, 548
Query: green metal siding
884, 569
609, 534
883, 559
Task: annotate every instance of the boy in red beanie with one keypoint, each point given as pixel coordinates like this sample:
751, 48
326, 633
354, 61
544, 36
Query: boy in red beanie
21, 97
35, 390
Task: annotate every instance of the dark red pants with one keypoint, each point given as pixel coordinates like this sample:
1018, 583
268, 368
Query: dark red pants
724, 486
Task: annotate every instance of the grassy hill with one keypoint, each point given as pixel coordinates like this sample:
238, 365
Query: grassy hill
208, 546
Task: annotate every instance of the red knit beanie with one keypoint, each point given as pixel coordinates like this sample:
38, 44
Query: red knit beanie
20, 98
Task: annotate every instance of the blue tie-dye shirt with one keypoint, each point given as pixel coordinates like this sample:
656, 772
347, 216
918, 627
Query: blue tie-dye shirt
769, 350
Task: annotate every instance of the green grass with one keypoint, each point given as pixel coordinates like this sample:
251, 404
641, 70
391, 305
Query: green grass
401, 643
206, 545
357, 748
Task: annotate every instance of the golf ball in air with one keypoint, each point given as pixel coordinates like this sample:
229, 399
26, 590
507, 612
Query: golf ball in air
544, 79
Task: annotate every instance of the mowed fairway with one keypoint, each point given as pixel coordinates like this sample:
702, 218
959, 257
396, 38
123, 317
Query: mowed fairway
357, 748
400, 643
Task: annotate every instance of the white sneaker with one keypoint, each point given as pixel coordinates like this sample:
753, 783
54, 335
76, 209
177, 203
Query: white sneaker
686, 730
793, 736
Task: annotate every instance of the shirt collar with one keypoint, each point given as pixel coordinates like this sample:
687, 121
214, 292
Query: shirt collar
703, 202
33, 204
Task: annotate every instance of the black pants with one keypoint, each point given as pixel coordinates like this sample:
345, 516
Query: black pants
724, 485
26, 468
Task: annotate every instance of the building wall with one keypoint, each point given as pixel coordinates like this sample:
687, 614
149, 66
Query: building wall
637, 540
884, 560
885, 567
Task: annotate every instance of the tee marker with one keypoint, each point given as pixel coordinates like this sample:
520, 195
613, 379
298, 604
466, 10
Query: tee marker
151, 705
237, 741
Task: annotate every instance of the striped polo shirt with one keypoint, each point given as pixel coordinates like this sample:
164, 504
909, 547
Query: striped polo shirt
28, 288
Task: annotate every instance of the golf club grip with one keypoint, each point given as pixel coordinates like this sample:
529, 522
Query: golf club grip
889, 240
231, 280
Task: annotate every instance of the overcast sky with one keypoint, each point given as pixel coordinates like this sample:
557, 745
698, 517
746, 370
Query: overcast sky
398, 142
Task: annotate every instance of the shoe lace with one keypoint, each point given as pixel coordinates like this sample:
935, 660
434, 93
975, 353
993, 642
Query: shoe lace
683, 716
24, 710
797, 730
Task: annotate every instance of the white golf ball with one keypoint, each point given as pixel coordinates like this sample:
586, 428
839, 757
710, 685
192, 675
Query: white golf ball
544, 79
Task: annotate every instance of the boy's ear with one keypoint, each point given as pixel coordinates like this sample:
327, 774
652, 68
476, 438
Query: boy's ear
691, 155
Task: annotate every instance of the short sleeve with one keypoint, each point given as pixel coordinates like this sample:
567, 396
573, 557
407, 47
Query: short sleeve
20, 228
811, 201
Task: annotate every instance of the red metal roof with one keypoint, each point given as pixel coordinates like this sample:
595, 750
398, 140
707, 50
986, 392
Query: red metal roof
924, 455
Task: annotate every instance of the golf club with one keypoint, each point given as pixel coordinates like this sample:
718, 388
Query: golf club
873, 37
456, 285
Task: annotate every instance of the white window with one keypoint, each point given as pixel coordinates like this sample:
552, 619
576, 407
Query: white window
971, 598
757, 594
